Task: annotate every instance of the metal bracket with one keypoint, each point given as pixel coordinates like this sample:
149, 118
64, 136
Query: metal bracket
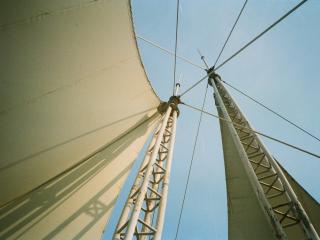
173, 102
212, 74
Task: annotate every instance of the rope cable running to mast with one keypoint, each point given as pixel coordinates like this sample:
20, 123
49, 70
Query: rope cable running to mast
233, 27
262, 33
272, 111
191, 162
223, 47
251, 130
175, 49
249, 43
169, 52
195, 84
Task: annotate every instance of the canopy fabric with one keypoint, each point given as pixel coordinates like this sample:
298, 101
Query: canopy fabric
246, 220
310, 205
78, 203
72, 85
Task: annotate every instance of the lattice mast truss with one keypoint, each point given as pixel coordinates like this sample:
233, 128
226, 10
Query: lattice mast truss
277, 199
144, 211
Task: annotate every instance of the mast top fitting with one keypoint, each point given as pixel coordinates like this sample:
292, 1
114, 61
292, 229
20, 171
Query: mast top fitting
173, 102
212, 74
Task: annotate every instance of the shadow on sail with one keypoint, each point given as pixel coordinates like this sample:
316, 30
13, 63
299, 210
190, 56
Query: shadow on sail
73, 203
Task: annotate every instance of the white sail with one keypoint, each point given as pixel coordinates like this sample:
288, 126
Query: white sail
76, 108
262, 203
245, 219
311, 205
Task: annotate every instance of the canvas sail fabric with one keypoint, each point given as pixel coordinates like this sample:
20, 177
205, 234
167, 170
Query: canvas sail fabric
246, 219
76, 108
310, 205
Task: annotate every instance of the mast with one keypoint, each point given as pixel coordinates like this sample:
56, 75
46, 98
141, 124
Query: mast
144, 211
281, 207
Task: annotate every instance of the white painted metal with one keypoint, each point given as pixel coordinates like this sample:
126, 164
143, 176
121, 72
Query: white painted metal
279, 233
177, 88
143, 190
143, 214
310, 205
163, 203
135, 188
287, 196
305, 221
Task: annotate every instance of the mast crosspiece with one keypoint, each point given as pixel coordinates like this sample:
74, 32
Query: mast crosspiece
277, 198
143, 213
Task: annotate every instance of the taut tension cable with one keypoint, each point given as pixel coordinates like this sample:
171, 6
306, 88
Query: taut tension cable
233, 27
249, 43
190, 166
169, 52
272, 111
250, 130
262, 33
175, 49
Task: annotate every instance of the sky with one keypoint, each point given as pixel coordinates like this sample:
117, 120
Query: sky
280, 70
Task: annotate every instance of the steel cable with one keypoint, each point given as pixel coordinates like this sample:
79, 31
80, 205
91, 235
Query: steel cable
251, 130
249, 43
191, 162
272, 111
234, 25
262, 33
169, 52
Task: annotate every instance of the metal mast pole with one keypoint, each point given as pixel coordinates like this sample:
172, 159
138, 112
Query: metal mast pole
277, 198
144, 211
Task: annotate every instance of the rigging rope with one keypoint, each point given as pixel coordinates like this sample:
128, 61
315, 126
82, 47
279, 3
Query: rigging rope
251, 130
249, 43
190, 166
262, 33
169, 52
194, 85
234, 25
175, 49
272, 111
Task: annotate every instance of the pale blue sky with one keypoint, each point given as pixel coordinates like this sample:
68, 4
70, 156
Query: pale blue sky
280, 69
